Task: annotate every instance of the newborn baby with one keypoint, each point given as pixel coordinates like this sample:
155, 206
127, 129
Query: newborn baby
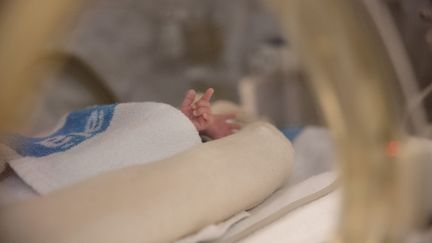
208, 124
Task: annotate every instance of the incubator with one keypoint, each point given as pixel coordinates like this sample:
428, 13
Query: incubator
361, 70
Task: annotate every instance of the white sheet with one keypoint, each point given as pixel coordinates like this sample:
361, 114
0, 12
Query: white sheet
313, 223
282, 202
313, 154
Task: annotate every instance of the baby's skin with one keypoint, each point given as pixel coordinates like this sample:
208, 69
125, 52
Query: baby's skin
207, 123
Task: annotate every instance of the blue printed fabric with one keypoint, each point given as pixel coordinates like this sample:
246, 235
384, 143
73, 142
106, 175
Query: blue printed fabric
78, 127
292, 132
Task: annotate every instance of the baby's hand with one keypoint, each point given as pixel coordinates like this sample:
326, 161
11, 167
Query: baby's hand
222, 126
199, 112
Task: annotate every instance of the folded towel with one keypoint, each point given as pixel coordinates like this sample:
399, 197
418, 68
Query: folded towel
159, 202
100, 139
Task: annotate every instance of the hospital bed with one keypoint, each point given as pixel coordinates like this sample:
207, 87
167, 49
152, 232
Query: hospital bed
339, 41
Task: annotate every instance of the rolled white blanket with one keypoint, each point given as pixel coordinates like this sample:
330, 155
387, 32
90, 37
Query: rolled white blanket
162, 201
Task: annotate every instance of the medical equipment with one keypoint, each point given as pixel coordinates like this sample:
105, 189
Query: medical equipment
352, 55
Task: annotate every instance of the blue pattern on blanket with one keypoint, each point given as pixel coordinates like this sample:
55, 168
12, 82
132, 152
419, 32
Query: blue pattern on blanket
78, 127
292, 132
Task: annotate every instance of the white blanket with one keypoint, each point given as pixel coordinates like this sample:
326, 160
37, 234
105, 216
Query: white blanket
313, 223
100, 139
284, 202
313, 154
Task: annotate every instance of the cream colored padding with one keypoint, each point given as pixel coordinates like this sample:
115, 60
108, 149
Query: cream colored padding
158, 202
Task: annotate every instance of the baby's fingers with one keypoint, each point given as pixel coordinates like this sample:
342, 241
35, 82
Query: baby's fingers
207, 95
201, 103
189, 99
202, 111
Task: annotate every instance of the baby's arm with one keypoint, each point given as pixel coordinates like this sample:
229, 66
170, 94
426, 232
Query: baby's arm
199, 112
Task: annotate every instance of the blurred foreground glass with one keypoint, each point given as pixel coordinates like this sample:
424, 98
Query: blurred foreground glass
28, 28
359, 84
